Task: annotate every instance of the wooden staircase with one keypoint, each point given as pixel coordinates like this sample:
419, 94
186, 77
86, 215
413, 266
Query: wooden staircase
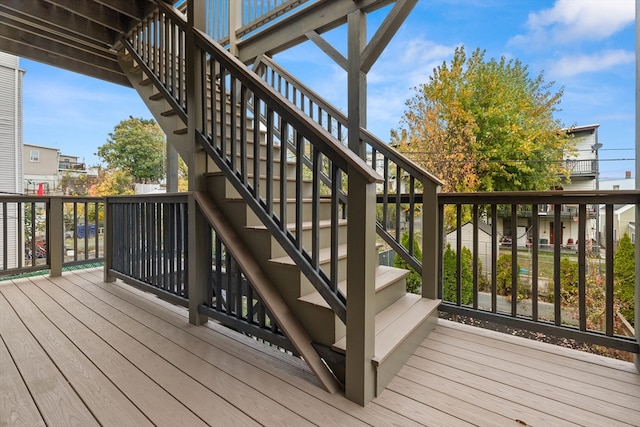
402, 320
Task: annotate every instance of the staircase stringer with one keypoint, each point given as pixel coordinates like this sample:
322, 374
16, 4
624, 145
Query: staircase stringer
283, 315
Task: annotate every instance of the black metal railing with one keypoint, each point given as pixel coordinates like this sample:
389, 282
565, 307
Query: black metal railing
149, 242
577, 167
408, 191
41, 233
232, 299
502, 261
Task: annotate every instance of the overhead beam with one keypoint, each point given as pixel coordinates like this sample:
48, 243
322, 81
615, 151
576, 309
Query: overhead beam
26, 51
320, 17
97, 13
51, 16
53, 34
132, 9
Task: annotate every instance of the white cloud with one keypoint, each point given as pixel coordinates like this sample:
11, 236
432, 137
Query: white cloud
577, 20
573, 65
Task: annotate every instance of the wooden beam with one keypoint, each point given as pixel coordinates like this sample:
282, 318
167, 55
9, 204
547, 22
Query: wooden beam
47, 15
97, 13
328, 49
132, 9
22, 27
385, 33
320, 17
45, 56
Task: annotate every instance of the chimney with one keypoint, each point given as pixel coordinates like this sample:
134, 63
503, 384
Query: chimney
627, 175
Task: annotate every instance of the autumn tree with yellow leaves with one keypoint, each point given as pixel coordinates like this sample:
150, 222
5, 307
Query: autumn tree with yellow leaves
485, 126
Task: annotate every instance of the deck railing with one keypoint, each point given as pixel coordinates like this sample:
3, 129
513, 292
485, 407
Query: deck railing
503, 261
148, 241
407, 191
48, 233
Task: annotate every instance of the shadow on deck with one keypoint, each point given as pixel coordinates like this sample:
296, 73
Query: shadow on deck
77, 351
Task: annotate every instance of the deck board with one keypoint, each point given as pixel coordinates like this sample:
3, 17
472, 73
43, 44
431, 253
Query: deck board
73, 348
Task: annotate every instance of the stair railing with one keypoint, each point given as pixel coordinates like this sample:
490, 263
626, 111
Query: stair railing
407, 189
233, 95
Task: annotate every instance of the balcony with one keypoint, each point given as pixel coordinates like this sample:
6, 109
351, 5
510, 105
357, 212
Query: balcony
582, 168
71, 166
128, 343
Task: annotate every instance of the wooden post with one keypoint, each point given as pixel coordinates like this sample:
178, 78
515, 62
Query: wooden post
197, 266
108, 243
172, 167
55, 241
431, 239
356, 81
636, 357
362, 259
235, 21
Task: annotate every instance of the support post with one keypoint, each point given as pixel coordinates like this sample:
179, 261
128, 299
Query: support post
55, 241
172, 167
108, 243
431, 240
356, 80
198, 274
636, 357
235, 21
361, 239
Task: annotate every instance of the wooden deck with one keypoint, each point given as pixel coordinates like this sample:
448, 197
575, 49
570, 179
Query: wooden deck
77, 351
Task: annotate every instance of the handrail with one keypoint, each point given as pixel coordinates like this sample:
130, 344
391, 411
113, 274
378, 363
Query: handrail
239, 93
393, 164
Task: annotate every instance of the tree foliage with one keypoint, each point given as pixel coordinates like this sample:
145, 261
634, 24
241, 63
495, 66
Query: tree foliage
112, 182
136, 146
624, 273
485, 126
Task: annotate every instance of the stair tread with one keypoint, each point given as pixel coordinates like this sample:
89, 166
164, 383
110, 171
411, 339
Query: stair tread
324, 256
385, 276
306, 225
395, 323
250, 176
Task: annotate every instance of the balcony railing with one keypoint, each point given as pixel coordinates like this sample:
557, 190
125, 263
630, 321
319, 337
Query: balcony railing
48, 233
582, 167
491, 267
71, 166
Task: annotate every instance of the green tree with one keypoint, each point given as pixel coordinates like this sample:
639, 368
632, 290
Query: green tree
450, 275
485, 126
414, 280
136, 146
624, 274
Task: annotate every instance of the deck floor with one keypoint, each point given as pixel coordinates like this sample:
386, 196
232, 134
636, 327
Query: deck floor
77, 351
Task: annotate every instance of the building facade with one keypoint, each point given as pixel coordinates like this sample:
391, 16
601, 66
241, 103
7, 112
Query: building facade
10, 150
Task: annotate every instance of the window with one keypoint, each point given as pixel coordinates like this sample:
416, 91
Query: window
34, 156
616, 187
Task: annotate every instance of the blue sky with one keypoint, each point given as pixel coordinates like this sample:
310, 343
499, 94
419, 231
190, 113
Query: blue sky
586, 47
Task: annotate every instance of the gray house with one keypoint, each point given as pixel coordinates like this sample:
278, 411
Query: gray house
10, 150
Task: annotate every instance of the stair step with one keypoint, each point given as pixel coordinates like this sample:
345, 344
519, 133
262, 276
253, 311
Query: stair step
145, 82
324, 257
168, 113
385, 277
394, 324
157, 96
181, 131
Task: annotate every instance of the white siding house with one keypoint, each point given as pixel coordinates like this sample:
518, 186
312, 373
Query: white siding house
10, 152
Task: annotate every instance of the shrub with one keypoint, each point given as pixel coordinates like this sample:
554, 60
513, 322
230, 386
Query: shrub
624, 274
450, 275
414, 280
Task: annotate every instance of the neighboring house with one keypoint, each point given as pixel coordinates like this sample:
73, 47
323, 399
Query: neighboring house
10, 151
46, 171
583, 168
624, 217
484, 243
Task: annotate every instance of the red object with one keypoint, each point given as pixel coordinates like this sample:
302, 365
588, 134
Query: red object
40, 189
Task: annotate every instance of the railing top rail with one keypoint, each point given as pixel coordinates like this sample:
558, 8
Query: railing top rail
365, 135
338, 153
262, 19
543, 197
146, 198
